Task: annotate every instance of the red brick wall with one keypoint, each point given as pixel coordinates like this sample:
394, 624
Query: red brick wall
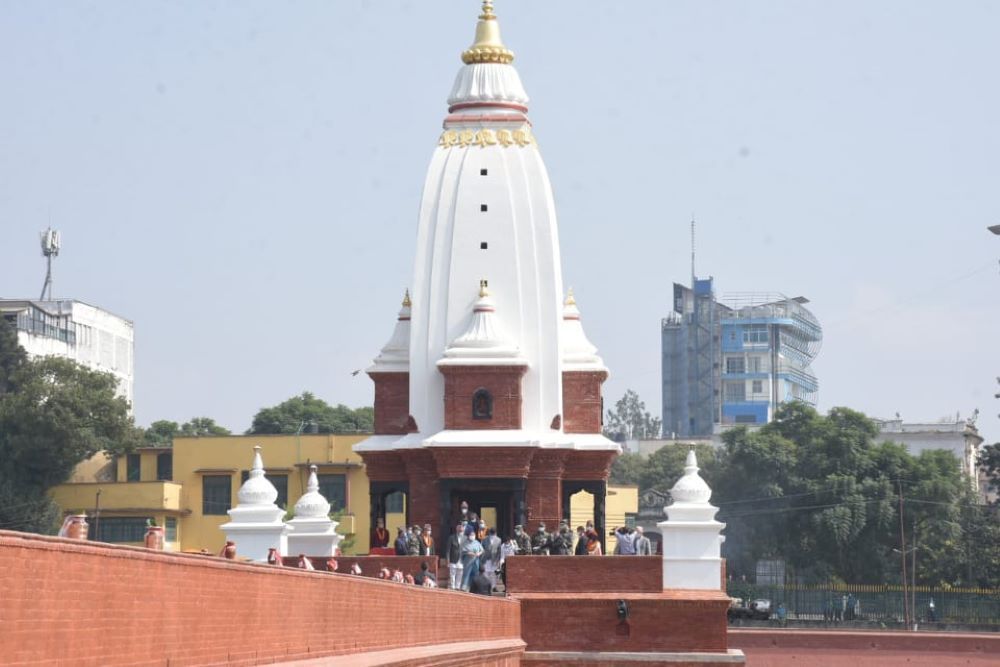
479, 462
805, 640
589, 465
582, 401
392, 402
424, 498
384, 466
566, 574
67, 602
461, 383
584, 621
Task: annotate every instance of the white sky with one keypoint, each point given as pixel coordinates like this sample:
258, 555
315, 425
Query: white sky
242, 180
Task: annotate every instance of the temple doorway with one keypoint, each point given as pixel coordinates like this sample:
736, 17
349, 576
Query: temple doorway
499, 502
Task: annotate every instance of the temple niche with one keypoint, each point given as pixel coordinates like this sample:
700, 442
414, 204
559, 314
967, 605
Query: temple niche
488, 389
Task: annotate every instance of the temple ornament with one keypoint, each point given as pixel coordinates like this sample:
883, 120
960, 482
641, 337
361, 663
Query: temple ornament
486, 137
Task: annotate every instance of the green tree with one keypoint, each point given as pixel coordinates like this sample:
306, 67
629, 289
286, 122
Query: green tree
661, 469
201, 427
54, 414
12, 355
989, 463
306, 414
161, 433
630, 419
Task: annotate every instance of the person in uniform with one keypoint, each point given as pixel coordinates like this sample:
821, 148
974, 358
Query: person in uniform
380, 536
522, 540
413, 542
562, 542
540, 541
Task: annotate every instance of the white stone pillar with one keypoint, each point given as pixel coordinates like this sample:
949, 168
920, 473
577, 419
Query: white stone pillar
313, 532
256, 524
691, 536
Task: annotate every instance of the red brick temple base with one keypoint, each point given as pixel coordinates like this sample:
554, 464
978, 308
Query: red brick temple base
523, 485
613, 611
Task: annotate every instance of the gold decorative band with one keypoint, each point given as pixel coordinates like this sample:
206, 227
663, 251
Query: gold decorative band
486, 137
484, 53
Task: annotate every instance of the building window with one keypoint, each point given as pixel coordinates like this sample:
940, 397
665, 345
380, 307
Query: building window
482, 404
483, 245
746, 419
280, 483
630, 520
165, 466
736, 391
334, 489
216, 494
133, 468
736, 365
170, 532
482, 172
483, 207
394, 503
118, 529
755, 333
758, 387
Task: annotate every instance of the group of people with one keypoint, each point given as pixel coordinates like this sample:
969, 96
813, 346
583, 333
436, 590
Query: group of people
632, 542
477, 555
423, 578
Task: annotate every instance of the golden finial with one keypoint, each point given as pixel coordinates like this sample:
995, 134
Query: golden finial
570, 299
483, 288
488, 47
406, 300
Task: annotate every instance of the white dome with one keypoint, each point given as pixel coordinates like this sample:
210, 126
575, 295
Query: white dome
488, 82
482, 342
691, 488
257, 490
312, 504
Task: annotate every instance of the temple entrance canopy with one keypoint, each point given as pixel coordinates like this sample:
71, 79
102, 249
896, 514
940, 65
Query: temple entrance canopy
488, 390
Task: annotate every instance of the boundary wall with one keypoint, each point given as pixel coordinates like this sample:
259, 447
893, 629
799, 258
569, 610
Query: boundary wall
776, 647
569, 574
83, 603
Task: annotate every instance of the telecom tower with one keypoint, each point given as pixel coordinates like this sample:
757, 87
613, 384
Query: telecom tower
50, 249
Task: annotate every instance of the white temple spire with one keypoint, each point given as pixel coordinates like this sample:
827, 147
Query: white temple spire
691, 536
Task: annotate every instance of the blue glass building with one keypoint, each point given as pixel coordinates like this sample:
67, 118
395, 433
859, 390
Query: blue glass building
734, 360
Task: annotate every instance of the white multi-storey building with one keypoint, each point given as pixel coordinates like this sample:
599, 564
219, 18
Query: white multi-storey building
86, 334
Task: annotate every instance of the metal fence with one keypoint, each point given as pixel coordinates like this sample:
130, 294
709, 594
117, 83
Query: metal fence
877, 603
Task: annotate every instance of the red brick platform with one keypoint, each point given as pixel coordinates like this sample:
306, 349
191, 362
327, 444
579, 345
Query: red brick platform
781, 648
570, 614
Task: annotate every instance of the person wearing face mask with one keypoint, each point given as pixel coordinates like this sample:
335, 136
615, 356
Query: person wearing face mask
540, 541
455, 558
523, 541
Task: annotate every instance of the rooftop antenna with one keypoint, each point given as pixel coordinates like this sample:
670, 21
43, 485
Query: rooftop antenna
692, 252
50, 249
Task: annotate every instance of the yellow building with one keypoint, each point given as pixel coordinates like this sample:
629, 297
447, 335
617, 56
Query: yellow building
621, 506
189, 488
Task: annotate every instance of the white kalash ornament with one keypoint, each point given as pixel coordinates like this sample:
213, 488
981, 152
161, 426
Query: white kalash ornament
313, 532
257, 524
691, 536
